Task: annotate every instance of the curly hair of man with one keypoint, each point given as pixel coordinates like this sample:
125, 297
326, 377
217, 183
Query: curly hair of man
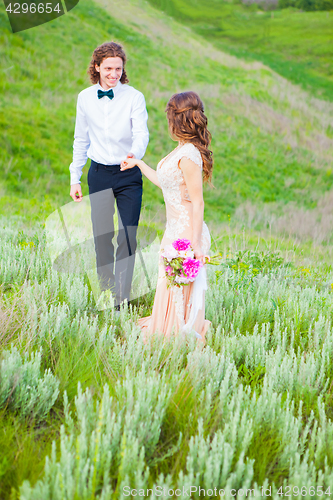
107, 49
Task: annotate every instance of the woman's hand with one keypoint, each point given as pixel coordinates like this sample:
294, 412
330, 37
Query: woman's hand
145, 169
129, 163
198, 254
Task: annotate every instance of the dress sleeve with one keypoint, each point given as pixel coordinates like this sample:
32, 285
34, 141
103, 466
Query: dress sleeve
192, 153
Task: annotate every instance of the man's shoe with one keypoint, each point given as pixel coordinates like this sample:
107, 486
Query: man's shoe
123, 305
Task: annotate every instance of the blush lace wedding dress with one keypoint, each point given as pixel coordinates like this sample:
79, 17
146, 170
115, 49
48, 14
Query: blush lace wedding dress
172, 305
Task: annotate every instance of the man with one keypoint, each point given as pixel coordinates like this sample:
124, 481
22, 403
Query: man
111, 124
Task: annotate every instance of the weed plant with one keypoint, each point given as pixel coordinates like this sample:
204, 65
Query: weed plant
96, 408
102, 411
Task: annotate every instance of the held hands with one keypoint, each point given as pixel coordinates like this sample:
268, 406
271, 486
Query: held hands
130, 162
76, 192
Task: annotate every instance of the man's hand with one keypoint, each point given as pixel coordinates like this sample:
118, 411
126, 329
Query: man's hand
122, 166
76, 192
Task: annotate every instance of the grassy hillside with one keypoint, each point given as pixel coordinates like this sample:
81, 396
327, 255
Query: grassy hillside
271, 141
86, 407
295, 44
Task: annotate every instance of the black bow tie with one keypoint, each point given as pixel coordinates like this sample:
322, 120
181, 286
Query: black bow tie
101, 93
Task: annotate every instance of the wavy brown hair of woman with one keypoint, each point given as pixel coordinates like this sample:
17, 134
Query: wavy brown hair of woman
188, 122
107, 49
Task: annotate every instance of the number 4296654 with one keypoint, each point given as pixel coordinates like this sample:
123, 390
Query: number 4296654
33, 8
303, 491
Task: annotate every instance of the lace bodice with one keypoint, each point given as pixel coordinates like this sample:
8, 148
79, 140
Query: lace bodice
175, 193
169, 174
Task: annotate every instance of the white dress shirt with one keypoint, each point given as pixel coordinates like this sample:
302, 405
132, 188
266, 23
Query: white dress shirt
107, 130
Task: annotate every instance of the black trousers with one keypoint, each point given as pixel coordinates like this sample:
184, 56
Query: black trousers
107, 185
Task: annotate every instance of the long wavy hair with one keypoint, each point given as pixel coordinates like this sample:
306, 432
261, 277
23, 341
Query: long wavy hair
187, 122
107, 49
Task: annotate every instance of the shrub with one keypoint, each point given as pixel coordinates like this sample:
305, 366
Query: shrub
23, 389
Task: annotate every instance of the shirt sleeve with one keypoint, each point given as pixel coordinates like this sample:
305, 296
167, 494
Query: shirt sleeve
140, 134
81, 143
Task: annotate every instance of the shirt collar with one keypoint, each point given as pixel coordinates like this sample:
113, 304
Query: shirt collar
115, 89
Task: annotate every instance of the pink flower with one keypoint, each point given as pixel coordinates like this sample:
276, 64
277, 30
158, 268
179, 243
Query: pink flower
186, 254
169, 270
169, 253
181, 280
191, 268
181, 245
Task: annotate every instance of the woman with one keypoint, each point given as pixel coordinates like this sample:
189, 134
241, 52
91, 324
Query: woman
180, 176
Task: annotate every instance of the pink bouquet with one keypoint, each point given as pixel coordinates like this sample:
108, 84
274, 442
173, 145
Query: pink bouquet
181, 268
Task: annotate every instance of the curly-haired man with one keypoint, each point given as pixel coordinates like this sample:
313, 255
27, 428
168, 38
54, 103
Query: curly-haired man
111, 124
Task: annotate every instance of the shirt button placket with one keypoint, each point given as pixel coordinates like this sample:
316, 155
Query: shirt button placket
109, 132
106, 125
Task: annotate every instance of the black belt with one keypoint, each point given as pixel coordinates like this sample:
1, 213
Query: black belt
93, 162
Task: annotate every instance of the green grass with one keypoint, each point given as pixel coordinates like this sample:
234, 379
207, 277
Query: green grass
40, 82
262, 386
265, 306
295, 44
19, 442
